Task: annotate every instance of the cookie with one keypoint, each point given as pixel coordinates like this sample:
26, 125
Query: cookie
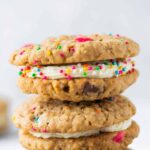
78, 89
3, 116
73, 49
41, 115
104, 141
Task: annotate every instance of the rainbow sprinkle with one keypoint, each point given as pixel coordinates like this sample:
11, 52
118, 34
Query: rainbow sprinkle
83, 39
38, 47
44, 131
83, 70
36, 119
62, 55
59, 47
119, 137
59, 44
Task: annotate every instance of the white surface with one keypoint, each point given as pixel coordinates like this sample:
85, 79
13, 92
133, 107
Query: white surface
27, 21
10, 142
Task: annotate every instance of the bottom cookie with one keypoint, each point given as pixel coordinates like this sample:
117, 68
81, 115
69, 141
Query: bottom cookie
104, 141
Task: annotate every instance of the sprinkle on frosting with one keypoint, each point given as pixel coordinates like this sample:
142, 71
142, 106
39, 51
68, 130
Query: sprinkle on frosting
44, 77
105, 69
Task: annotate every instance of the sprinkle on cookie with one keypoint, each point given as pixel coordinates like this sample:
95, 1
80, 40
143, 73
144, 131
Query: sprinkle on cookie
118, 138
83, 39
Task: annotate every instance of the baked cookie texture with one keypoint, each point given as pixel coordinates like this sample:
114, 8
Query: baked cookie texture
78, 89
3, 116
73, 49
3, 106
78, 79
103, 141
43, 115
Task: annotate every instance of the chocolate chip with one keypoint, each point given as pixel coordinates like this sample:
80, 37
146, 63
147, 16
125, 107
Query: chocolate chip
88, 88
66, 89
90, 124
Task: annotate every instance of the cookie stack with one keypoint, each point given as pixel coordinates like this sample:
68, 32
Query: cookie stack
78, 79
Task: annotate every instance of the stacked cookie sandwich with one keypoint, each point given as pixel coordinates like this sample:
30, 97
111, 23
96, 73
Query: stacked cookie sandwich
78, 79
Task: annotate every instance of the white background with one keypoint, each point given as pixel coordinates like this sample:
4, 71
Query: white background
31, 21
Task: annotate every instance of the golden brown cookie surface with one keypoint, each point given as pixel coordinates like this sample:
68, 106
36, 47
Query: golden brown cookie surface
73, 49
104, 141
50, 116
78, 89
3, 116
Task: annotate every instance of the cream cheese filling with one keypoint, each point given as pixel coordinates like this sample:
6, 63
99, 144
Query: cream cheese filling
116, 127
104, 69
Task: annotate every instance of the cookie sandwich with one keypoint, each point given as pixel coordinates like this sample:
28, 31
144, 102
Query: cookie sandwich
98, 125
77, 68
78, 80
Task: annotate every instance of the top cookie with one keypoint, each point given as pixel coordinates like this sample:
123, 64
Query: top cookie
73, 49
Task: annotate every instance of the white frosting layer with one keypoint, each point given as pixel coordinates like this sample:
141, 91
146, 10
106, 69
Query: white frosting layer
105, 69
117, 127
